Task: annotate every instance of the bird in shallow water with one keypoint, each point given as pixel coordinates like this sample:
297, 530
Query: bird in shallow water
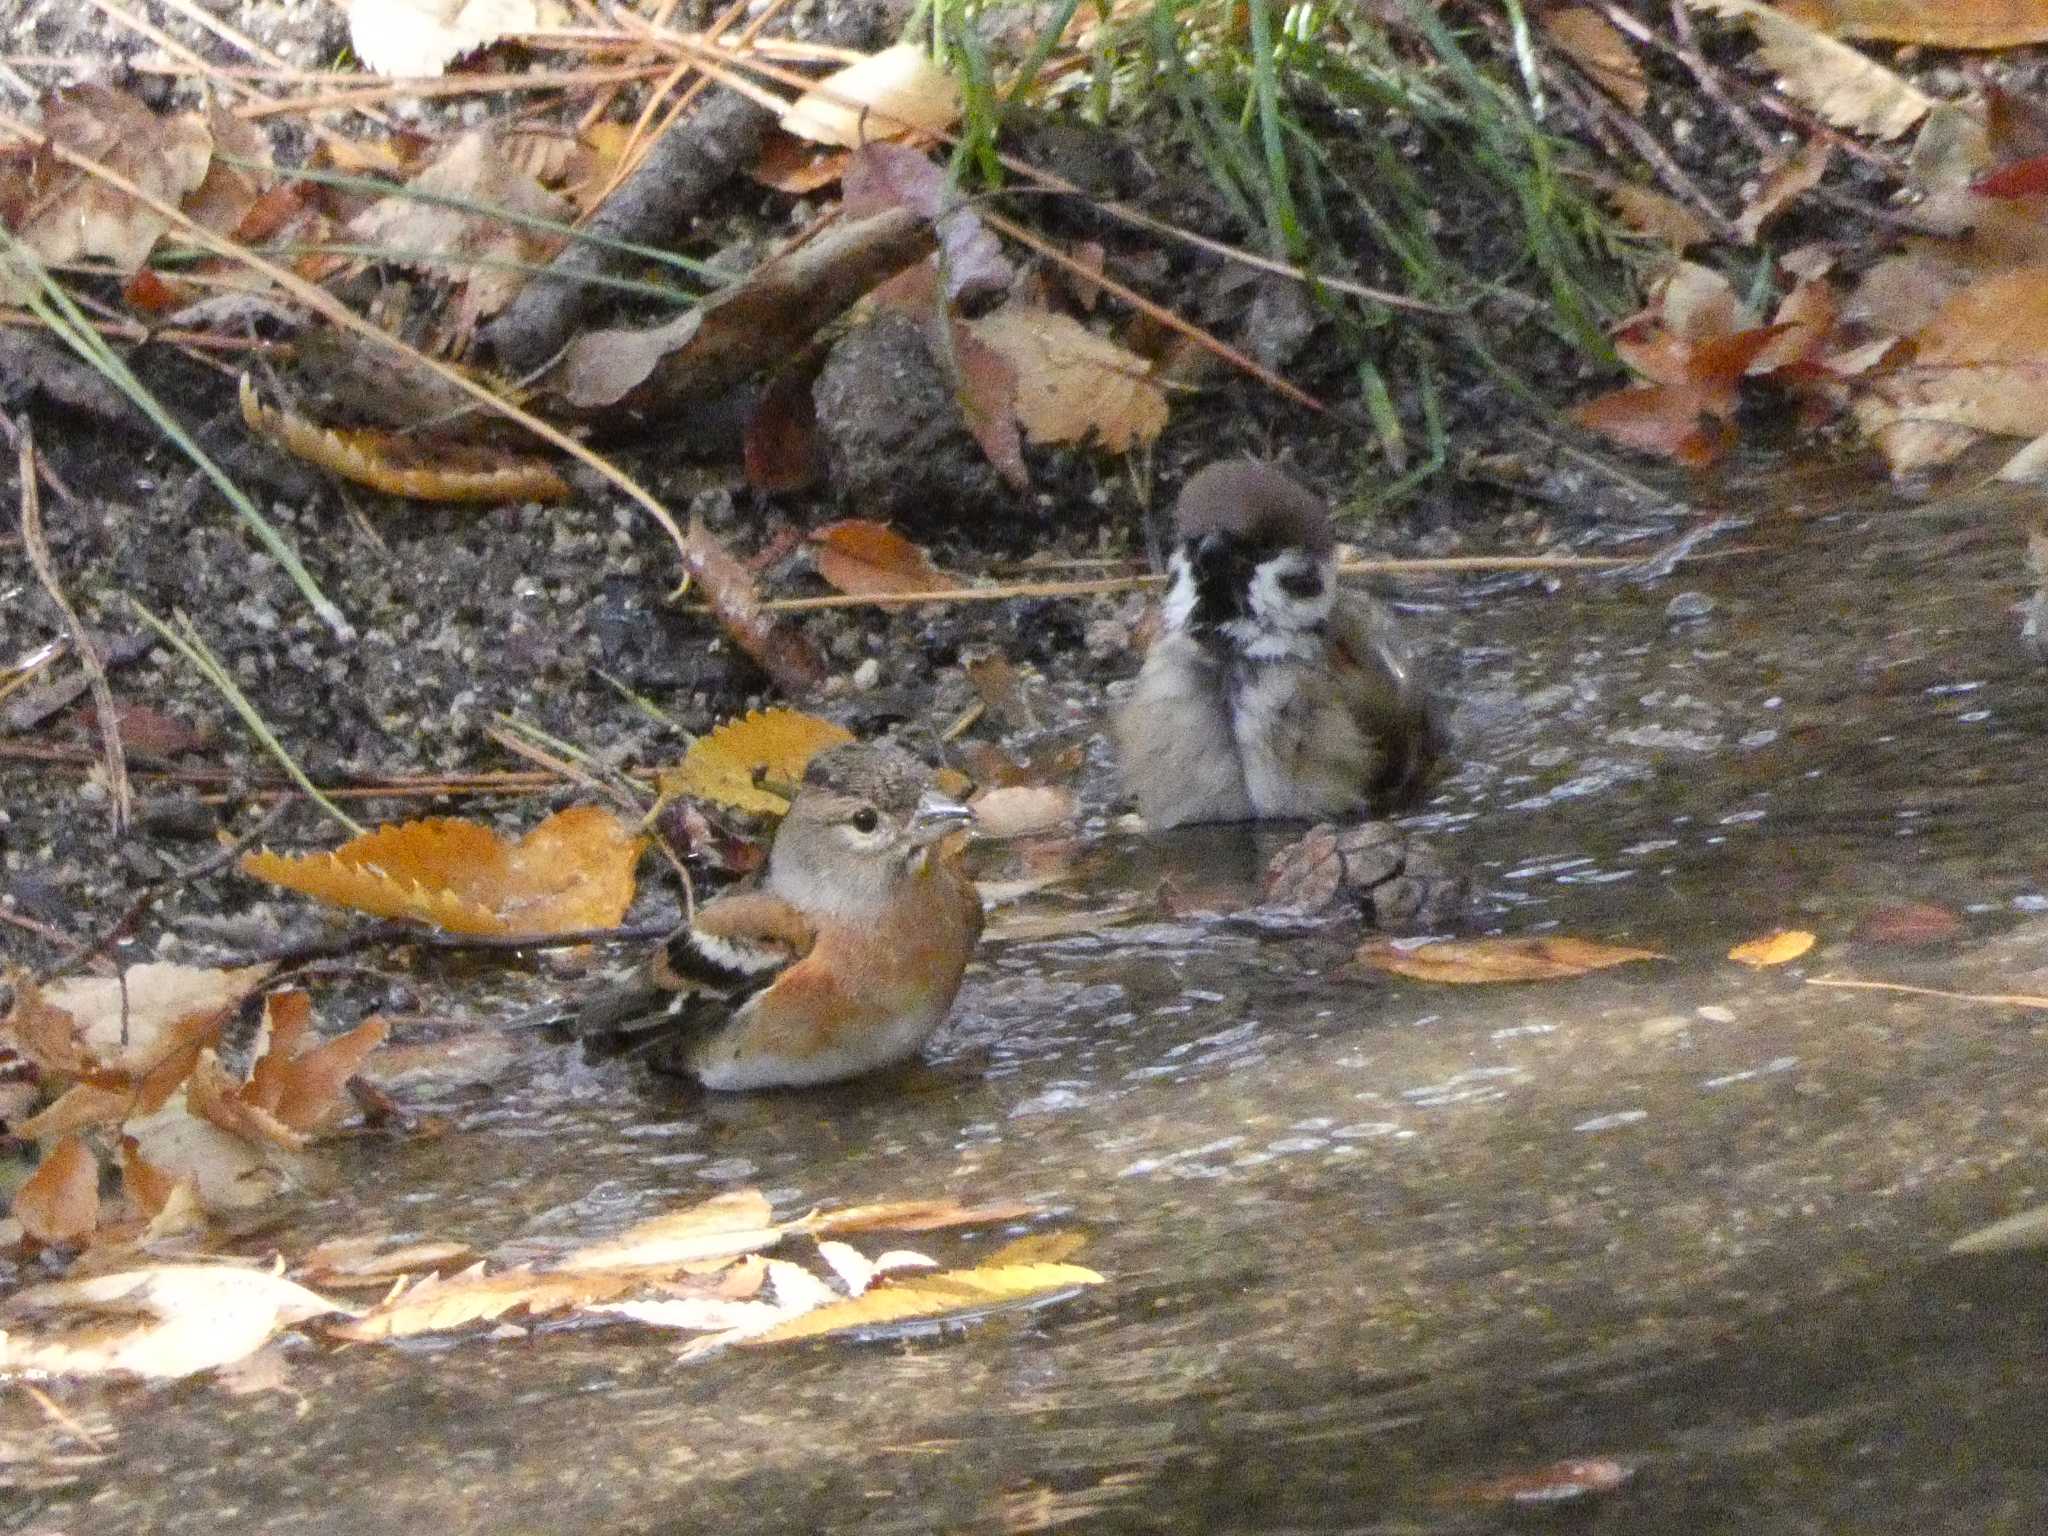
1269, 693
842, 960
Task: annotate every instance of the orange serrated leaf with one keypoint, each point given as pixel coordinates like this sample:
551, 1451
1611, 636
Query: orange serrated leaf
446, 472
1469, 961
1779, 948
727, 765
60, 1201
573, 871
863, 558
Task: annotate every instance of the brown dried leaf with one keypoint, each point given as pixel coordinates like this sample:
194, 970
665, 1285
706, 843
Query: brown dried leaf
78, 1108
781, 443
1597, 46
352, 1261
1848, 88
1561, 1480
1935, 23
790, 164
77, 216
148, 1187
403, 464
884, 176
313, 1082
986, 382
1072, 383
151, 1014
1483, 961
60, 1202
573, 871
216, 1098
887, 95
790, 660
754, 324
1908, 925
1650, 212
863, 557
1792, 177
728, 765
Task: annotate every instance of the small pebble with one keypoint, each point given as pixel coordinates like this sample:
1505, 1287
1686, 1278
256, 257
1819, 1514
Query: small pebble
1688, 607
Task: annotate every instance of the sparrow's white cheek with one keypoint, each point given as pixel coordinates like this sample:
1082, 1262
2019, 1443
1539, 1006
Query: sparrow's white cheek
1178, 608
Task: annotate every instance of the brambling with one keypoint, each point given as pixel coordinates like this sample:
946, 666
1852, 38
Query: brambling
843, 959
1269, 694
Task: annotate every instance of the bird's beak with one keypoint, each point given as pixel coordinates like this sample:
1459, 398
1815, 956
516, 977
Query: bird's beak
936, 816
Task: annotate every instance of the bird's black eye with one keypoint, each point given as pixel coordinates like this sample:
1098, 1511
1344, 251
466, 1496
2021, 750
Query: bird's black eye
1306, 585
865, 819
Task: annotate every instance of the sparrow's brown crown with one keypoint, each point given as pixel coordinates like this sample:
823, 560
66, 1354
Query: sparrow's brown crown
1256, 504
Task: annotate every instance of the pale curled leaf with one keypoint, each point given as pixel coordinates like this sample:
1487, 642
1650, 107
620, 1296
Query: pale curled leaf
422, 37
884, 96
736, 1222
1848, 88
912, 1216
945, 1293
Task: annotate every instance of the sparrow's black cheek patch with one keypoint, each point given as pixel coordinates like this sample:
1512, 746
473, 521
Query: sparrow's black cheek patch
1306, 585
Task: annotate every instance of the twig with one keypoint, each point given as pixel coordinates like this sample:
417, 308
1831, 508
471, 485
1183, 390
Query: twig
85, 953
2002, 999
120, 795
332, 946
40, 930
1007, 591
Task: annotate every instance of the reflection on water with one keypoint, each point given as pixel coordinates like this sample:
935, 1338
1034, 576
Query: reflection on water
1369, 1240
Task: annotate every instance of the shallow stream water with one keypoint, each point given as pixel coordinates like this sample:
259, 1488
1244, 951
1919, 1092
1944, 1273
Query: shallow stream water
1369, 1242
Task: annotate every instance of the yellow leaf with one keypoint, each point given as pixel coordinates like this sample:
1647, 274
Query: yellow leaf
884, 96
573, 871
1036, 1248
937, 1295
739, 1221
435, 1305
1778, 948
1469, 961
1072, 382
727, 765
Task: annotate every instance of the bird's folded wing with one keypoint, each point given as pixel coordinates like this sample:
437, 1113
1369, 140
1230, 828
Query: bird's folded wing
738, 945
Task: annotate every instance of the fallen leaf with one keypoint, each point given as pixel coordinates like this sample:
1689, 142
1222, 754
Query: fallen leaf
399, 463
884, 96
573, 871
1539, 958
912, 1216
1649, 212
792, 663
946, 1292
1790, 179
1934, 23
1036, 1248
736, 1222
353, 1260
883, 176
1780, 948
134, 1022
148, 1187
790, 164
60, 1202
212, 1095
75, 216
1848, 88
434, 1304
729, 764
230, 1171
1574, 1478
162, 1321
1071, 383
1908, 925
422, 37
1023, 810
1597, 46
863, 558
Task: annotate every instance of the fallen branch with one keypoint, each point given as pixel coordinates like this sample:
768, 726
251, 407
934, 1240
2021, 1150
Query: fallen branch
2001, 999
